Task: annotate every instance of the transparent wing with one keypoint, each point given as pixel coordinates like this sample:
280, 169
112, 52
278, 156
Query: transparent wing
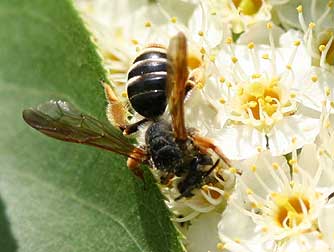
61, 120
177, 74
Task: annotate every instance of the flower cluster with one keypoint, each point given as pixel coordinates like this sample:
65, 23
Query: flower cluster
262, 89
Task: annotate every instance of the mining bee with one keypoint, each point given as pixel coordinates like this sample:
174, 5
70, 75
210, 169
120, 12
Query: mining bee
156, 79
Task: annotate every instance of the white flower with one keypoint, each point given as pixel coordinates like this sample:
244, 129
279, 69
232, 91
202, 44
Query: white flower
274, 208
316, 19
256, 99
241, 15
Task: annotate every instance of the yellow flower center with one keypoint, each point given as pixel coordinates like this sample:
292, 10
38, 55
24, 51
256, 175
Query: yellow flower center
290, 209
259, 96
248, 7
194, 60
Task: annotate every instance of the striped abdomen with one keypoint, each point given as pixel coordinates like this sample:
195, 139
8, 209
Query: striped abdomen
146, 86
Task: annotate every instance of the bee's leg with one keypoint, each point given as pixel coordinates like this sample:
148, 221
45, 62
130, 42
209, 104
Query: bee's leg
132, 128
205, 143
195, 79
137, 157
116, 110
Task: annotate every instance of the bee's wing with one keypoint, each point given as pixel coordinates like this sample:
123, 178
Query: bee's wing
177, 74
61, 120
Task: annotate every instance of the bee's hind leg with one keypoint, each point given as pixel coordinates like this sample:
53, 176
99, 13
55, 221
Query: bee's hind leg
116, 109
205, 143
117, 112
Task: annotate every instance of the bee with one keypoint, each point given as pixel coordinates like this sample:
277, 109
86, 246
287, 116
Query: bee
171, 148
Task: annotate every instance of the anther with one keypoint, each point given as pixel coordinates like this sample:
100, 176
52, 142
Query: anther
213, 12
275, 166
264, 229
220, 246
293, 95
229, 40
135, 41
311, 25
269, 25
148, 24
256, 76
200, 85
240, 91
201, 33
222, 79
293, 140
251, 45
300, 9
327, 91
253, 168
322, 48
173, 20
314, 78
296, 43
234, 59
229, 84
265, 56
292, 161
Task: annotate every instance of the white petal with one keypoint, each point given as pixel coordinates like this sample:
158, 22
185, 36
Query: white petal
326, 222
303, 129
308, 159
312, 94
289, 37
235, 224
237, 231
259, 34
200, 114
304, 242
239, 142
202, 234
263, 163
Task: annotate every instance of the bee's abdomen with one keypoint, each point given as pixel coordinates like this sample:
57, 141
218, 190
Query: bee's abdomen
165, 153
146, 85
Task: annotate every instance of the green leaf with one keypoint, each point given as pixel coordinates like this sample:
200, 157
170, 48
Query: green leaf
56, 196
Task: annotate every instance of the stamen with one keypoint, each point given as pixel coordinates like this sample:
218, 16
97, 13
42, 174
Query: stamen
325, 14
254, 58
294, 52
301, 18
272, 46
274, 175
324, 51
